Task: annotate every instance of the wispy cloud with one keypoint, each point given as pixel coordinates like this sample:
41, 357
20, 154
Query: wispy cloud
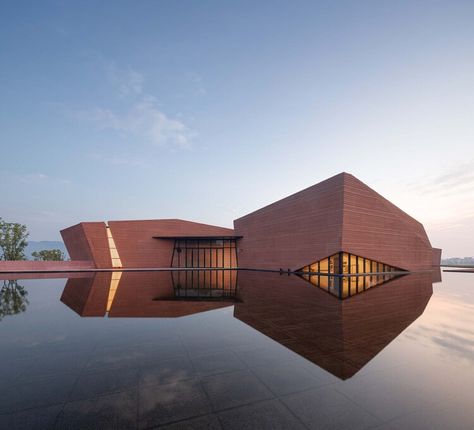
443, 202
127, 82
142, 120
145, 121
437, 330
460, 176
453, 179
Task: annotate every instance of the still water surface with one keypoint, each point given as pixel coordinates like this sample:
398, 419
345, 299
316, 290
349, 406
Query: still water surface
233, 351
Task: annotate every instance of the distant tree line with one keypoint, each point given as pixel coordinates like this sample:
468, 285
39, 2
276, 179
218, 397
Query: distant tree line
13, 242
457, 261
48, 255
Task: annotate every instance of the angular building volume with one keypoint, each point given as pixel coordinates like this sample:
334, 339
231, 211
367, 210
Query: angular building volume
337, 227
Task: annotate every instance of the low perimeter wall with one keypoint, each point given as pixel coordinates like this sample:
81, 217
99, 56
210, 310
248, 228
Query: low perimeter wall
44, 266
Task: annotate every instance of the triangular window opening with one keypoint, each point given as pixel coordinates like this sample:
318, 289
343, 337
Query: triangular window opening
344, 274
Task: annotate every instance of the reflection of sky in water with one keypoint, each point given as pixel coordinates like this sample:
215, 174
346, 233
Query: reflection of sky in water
419, 378
447, 325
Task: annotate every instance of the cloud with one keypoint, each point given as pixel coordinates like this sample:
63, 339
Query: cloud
437, 330
142, 119
127, 82
146, 122
455, 178
459, 176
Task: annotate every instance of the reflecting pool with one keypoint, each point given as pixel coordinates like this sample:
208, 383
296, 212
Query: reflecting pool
234, 350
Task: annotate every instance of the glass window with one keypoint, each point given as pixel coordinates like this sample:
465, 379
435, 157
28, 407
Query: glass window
360, 265
324, 265
345, 263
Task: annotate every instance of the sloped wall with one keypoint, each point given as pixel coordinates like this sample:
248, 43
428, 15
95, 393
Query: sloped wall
375, 228
88, 241
338, 214
295, 231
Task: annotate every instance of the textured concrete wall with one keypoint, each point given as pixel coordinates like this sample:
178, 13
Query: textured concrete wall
293, 232
338, 214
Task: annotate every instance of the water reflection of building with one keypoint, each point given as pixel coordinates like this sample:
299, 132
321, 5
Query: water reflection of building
150, 294
339, 336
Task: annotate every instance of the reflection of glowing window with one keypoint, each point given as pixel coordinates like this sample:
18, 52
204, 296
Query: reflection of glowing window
114, 255
345, 263
337, 274
114, 283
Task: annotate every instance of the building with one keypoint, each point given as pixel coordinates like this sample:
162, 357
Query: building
339, 226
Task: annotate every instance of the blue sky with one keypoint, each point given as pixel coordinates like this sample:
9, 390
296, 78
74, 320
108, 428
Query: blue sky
208, 110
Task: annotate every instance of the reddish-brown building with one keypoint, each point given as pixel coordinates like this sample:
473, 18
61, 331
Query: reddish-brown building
338, 226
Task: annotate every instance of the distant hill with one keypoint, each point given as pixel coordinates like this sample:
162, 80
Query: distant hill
44, 244
458, 261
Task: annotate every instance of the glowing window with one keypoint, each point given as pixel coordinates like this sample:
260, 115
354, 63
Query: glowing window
114, 255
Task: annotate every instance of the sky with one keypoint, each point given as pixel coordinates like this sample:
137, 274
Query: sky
208, 110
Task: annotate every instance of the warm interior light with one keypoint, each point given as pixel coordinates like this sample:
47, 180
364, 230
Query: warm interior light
114, 283
333, 274
114, 255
